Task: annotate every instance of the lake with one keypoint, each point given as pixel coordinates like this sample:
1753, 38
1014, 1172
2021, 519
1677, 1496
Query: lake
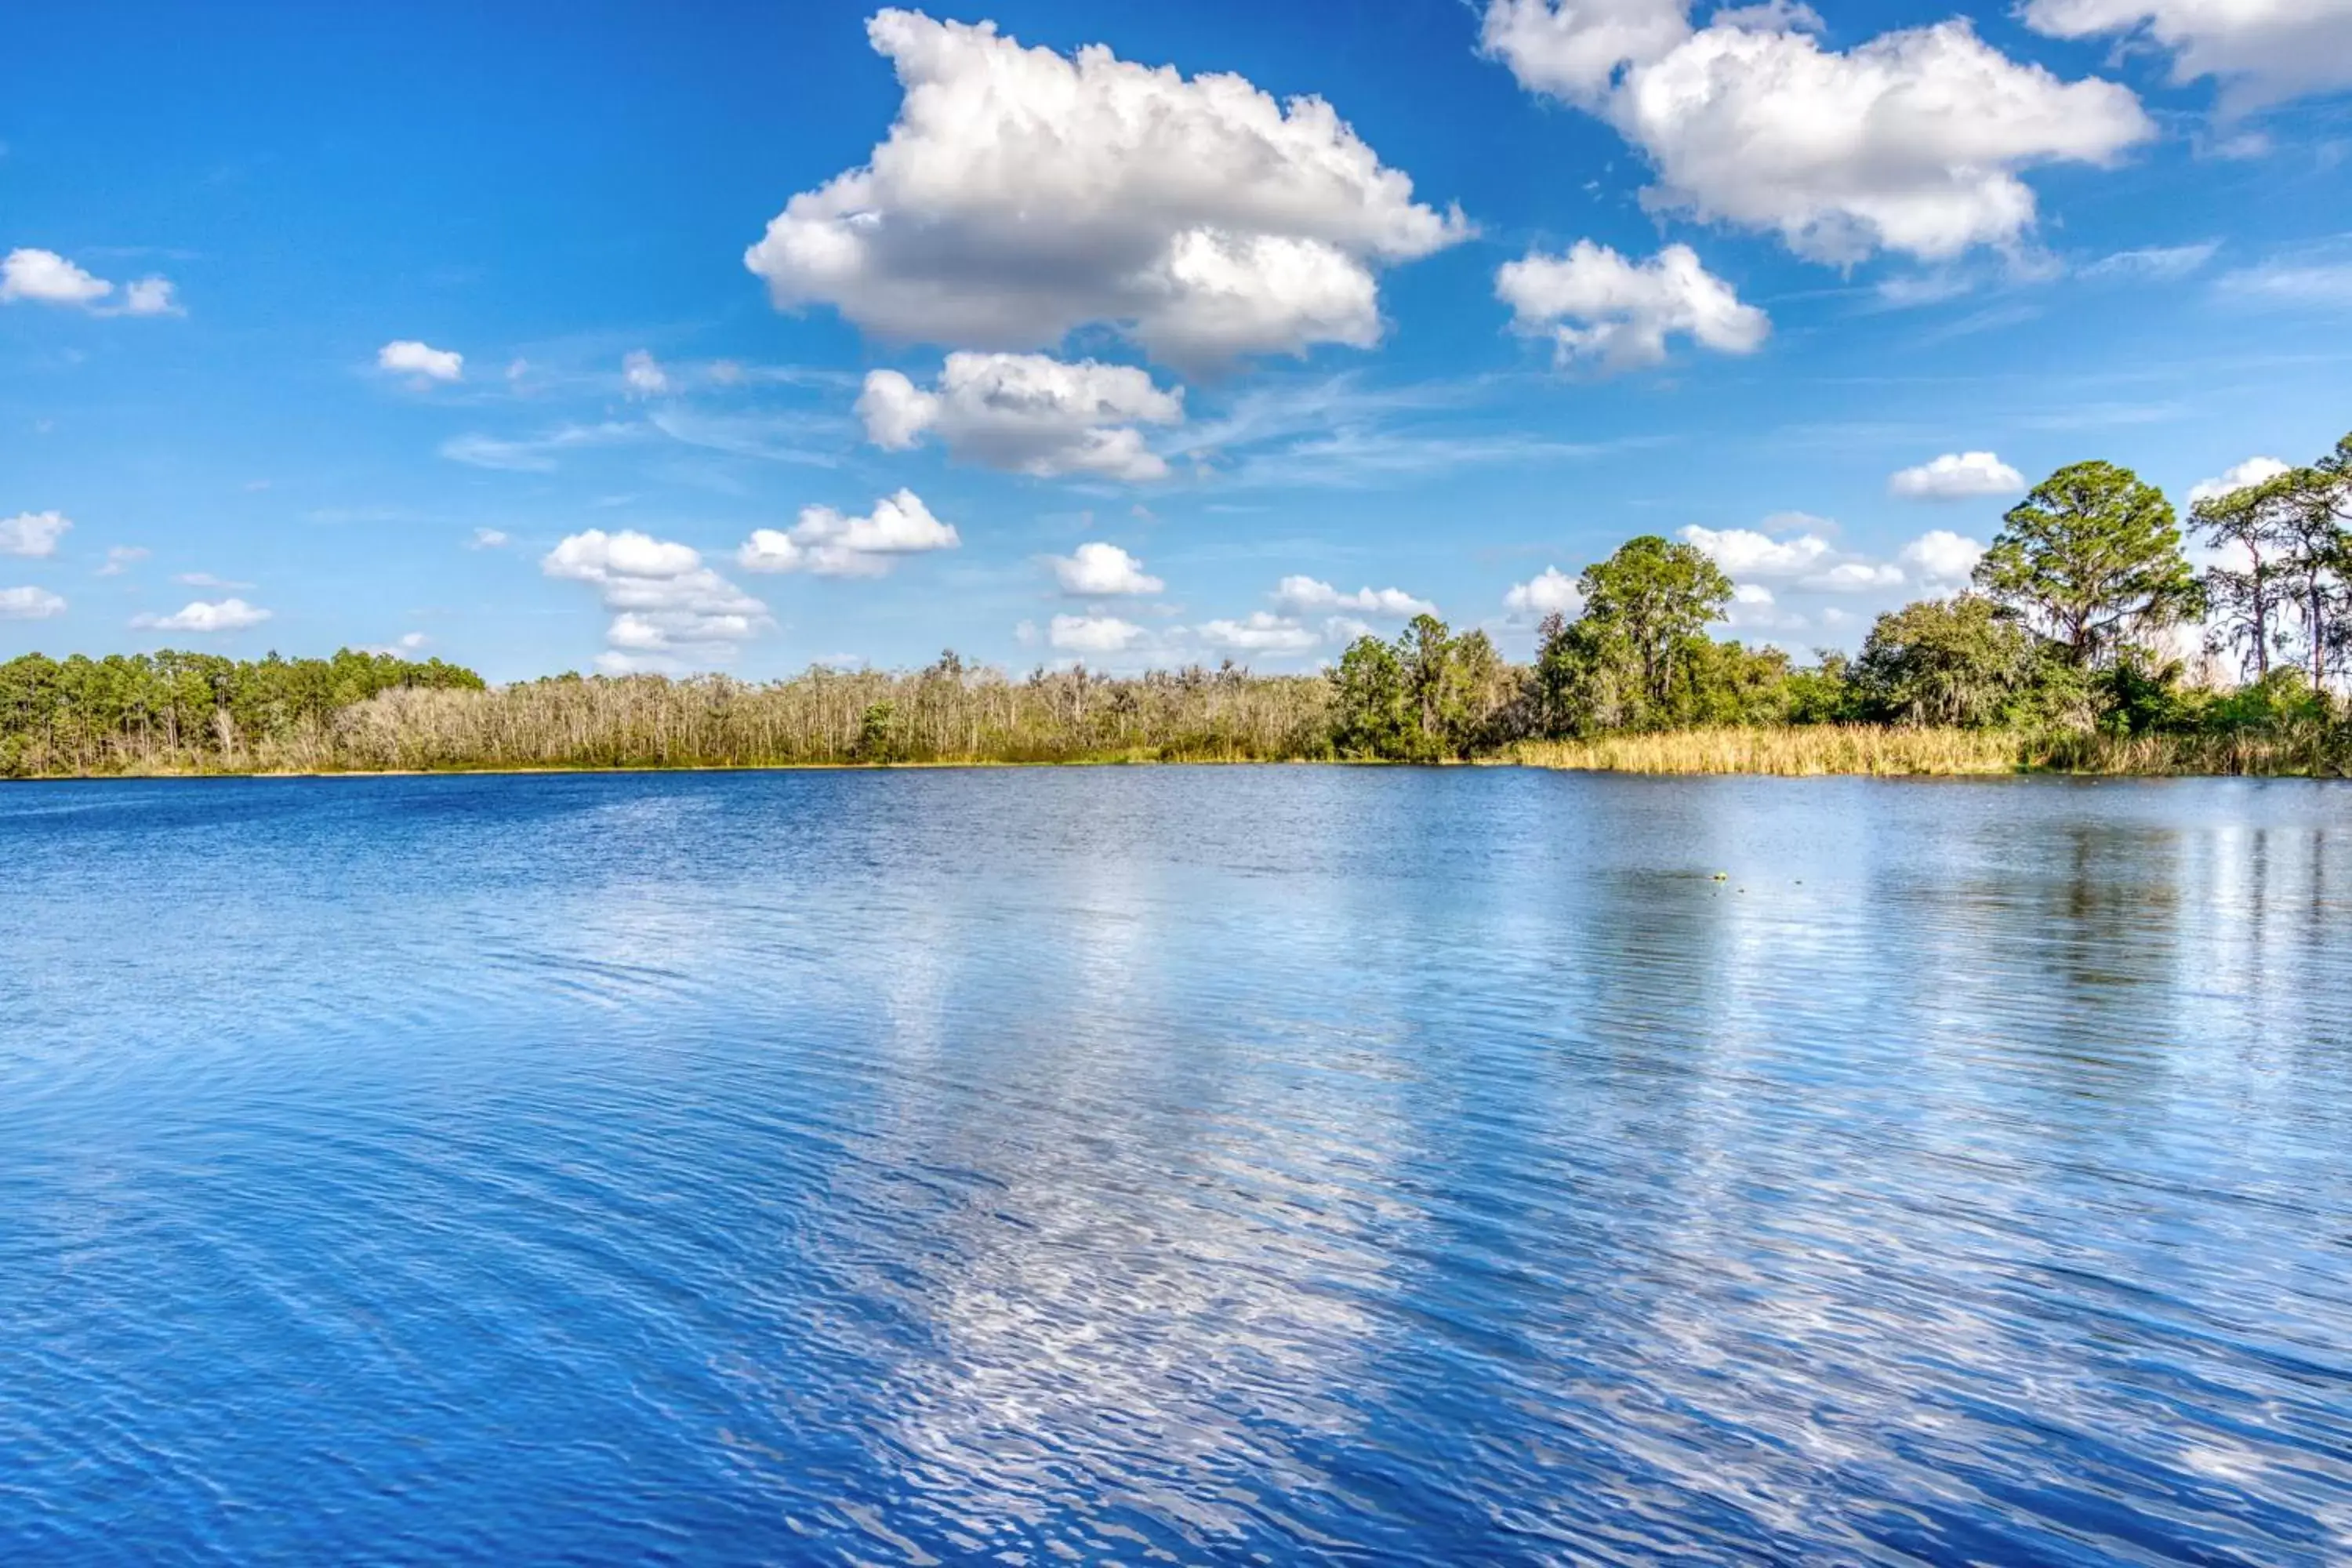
1282, 1165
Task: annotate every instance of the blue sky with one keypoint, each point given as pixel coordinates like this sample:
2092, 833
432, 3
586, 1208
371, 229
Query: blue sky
434, 326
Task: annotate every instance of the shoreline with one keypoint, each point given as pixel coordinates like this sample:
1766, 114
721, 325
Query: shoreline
2015, 771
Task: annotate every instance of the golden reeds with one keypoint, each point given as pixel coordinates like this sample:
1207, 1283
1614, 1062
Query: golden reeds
1786, 751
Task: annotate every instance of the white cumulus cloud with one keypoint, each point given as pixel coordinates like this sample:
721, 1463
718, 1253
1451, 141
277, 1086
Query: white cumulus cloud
1957, 475
1260, 632
828, 544
1093, 634
1550, 591
1021, 194
1307, 596
120, 558
644, 374
1596, 305
1745, 552
1026, 413
406, 356
220, 615
2260, 50
44, 277
151, 297
1856, 577
1913, 141
1097, 570
33, 533
2252, 471
668, 607
1940, 558
29, 605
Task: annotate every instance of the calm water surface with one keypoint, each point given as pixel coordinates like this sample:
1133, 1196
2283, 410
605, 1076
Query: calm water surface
1175, 1165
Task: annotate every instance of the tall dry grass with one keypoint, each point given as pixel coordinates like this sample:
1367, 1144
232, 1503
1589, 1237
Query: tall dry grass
1790, 752
824, 718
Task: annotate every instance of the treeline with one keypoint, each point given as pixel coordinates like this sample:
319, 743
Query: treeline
190, 711
2055, 655
2064, 641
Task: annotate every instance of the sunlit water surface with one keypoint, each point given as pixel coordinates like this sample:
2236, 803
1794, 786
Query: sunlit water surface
1199, 1165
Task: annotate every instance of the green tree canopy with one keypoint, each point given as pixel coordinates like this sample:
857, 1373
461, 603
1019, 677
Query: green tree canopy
1654, 595
2091, 557
1958, 661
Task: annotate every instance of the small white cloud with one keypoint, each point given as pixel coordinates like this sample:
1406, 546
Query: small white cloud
408, 357
1940, 558
33, 533
29, 605
1260, 632
1550, 592
206, 580
151, 297
1027, 413
668, 609
828, 544
645, 374
1097, 570
1307, 596
2252, 471
1744, 552
1856, 577
487, 539
1093, 634
44, 277
1755, 594
1596, 305
120, 558
224, 616
1957, 475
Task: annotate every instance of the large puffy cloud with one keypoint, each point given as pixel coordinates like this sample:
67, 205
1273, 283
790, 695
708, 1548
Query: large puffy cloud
2262, 50
1028, 412
44, 277
1912, 142
2252, 471
200, 616
33, 533
828, 544
1306, 595
1020, 194
406, 356
668, 608
1596, 305
1957, 475
1097, 571
29, 605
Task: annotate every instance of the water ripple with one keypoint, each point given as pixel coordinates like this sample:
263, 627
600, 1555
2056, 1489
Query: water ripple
1196, 1165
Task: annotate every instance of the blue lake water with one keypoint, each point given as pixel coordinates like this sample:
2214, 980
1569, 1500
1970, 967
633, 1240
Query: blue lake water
1279, 1164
